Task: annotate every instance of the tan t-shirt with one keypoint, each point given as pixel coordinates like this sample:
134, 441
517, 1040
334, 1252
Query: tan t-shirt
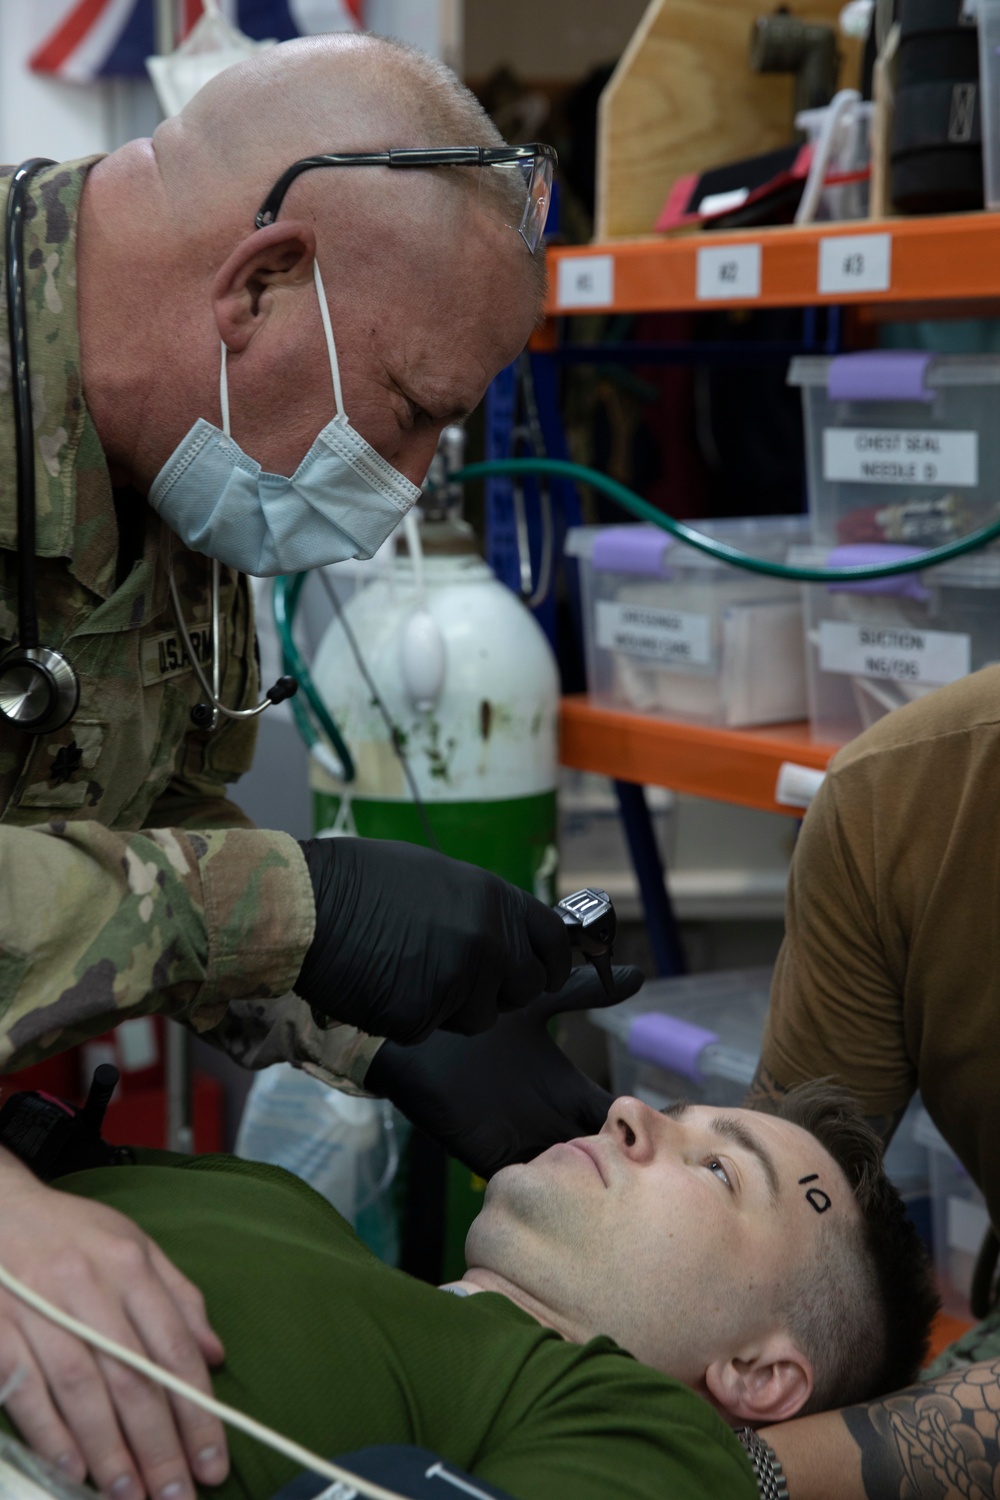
889, 975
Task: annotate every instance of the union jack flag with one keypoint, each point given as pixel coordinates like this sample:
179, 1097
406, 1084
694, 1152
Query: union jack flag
88, 39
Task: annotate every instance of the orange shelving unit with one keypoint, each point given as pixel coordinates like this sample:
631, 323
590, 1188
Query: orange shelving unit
951, 258
729, 765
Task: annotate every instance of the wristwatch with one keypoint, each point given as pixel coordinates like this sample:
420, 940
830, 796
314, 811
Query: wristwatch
766, 1465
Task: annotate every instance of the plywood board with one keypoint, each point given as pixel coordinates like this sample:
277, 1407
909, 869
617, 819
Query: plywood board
683, 99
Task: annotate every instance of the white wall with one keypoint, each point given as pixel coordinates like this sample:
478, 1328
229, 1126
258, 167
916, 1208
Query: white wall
40, 116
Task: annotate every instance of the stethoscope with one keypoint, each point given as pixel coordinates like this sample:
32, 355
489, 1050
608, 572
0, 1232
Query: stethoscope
39, 688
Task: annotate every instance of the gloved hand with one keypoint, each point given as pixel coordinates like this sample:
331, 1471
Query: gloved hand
507, 1095
408, 940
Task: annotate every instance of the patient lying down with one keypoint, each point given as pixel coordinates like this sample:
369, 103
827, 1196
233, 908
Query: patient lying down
631, 1297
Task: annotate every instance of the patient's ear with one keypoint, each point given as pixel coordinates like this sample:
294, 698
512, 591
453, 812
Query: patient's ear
769, 1384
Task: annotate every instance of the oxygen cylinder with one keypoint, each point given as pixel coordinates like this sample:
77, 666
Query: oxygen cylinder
471, 686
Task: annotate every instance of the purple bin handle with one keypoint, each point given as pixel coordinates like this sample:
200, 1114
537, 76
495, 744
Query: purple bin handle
670, 1043
862, 554
880, 375
632, 549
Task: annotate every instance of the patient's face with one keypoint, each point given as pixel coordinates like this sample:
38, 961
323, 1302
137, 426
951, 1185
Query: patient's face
671, 1232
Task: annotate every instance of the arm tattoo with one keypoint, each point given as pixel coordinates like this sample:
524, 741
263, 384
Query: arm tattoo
932, 1441
765, 1091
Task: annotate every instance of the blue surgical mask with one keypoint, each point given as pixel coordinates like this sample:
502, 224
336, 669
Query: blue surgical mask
343, 500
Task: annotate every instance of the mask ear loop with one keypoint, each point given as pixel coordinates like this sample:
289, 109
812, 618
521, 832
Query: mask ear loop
224, 389
324, 312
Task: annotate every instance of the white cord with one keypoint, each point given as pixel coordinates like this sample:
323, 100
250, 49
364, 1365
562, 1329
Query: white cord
822, 151
331, 347
229, 1414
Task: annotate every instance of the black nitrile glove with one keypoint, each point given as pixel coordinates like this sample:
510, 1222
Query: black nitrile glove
506, 1095
408, 940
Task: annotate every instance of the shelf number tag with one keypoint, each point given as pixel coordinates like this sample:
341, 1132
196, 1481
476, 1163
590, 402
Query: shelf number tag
855, 263
728, 271
585, 281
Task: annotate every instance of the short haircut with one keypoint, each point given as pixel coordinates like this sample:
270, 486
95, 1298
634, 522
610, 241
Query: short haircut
447, 113
862, 1309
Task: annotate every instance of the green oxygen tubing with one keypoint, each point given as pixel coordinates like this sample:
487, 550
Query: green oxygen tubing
288, 587
561, 468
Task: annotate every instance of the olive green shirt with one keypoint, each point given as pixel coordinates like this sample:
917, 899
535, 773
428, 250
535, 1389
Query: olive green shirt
338, 1351
889, 974
108, 906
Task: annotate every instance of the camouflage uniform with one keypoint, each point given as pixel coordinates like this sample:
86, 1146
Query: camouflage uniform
99, 920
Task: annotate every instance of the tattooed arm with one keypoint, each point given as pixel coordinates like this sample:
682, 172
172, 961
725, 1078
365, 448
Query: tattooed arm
765, 1091
925, 1443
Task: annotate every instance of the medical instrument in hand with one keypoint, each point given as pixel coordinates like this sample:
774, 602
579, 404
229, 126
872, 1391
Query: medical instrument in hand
205, 715
39, 689
590, 919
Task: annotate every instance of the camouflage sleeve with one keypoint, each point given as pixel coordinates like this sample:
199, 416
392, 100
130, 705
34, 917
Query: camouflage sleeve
183, 805
256, 1035
96, 924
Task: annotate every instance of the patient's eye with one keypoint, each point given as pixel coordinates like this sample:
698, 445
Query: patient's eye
718, 1168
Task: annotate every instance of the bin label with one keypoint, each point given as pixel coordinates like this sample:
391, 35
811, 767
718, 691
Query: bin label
727, 271
894, 455
855, 263
673, 636
585, 281
903, 653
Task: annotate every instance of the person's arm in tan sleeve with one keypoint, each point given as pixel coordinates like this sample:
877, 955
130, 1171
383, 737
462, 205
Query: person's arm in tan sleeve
836, 1007
95, 925
928, 1442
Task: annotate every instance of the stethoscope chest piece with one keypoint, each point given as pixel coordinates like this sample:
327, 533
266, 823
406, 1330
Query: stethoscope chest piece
39, 690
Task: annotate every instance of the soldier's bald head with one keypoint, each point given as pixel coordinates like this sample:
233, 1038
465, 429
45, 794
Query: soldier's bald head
429, 286
339, 92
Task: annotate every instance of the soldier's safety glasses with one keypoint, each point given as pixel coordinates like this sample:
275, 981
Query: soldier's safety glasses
518, 194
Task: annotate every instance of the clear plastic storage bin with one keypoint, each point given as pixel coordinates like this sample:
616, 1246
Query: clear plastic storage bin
699, 1038
669, 630
959, 1219
873, 646
900, 447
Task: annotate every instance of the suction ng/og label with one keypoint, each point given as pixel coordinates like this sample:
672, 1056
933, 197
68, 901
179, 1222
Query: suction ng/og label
898, 652
892, 455
671, 636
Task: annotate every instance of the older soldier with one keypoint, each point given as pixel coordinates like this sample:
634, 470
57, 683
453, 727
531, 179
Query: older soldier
369, 308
